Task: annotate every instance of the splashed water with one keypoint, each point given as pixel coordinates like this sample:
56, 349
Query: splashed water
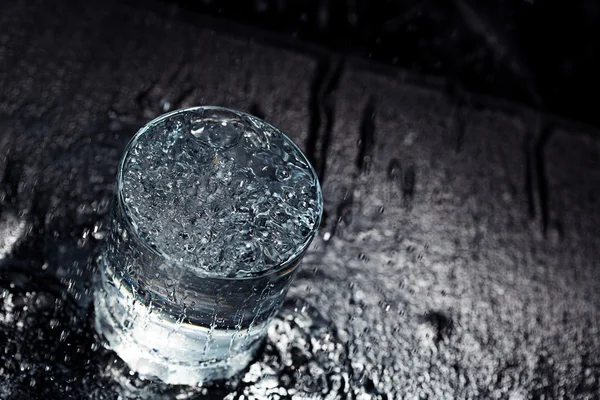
222, 193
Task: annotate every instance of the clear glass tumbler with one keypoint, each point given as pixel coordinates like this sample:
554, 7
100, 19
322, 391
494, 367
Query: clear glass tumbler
213, 211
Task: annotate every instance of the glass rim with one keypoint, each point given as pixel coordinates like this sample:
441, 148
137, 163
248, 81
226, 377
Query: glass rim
288, 265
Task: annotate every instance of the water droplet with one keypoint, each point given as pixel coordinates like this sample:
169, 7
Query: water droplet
282, 174
217, 134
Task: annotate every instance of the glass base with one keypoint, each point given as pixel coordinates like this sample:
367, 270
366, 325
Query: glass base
177, 353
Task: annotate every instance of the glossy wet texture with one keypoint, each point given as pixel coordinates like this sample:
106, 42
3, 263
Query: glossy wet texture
219, 193
457, 259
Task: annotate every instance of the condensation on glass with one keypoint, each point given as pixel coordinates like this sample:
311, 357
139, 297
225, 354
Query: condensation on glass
213, 211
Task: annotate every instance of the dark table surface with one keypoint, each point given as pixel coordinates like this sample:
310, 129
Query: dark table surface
458, 257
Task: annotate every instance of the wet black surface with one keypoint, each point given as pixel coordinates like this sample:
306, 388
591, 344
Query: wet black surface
458, 258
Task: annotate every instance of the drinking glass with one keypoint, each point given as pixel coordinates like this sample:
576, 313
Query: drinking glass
212, 213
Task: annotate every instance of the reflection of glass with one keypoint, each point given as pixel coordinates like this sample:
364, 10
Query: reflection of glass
213, 211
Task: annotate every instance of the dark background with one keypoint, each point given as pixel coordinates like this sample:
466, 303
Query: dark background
459, 155
540, 53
